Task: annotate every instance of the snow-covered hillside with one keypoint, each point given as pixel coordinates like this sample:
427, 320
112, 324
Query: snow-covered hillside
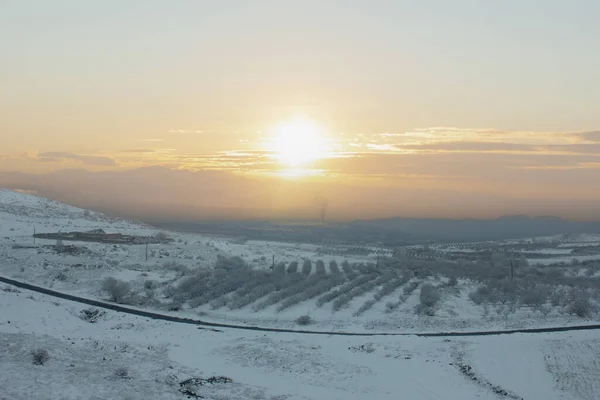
21, 213
120, 356
125, 357
180, 276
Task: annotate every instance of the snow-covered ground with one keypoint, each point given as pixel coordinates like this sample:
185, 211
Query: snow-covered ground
88, 360
85, 358
165, 265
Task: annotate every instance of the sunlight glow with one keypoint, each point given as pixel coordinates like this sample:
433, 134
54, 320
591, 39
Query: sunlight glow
298, 142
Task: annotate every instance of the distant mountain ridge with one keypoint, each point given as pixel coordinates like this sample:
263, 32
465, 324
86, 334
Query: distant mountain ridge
504, 227
200, 200
164, 194
390, 232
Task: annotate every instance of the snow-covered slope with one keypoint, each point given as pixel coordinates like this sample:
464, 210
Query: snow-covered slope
21, 213
155, 274
84, 358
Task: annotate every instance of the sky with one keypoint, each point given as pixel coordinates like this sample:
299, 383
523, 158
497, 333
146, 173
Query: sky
429, 108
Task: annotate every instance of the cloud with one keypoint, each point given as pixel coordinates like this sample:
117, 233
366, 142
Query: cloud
592, 136
185, 131
438, 140
577, 148
468, 146
588, 165
138, 151
57, 156
381, 147
485, 135
247, 161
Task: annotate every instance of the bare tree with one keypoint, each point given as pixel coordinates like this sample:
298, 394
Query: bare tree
116, 289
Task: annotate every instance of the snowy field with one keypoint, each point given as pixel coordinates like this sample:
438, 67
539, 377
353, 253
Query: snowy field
345, 292
126, 357
218, 279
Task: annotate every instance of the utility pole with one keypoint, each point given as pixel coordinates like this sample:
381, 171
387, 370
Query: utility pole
146, 251
322, 203
512, 269
34, 234
273, 265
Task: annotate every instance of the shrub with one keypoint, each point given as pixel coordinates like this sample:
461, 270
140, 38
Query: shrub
345, 289
580, 304
430, 295
307, 267
321, 267
391, 306
366, 306
117, 290
425, 310
294, 287
453, 281
481, 295
388, 288
215, 285
121, 373
256, 293
322, 286
279, 268
91, 315
367, 268
410, 288
150, 284
304, 320
40, 356
161, 236
174, 266
346, 267
230, 263
256, 278
505, 291
333, 267
358, 291
169, 291
195, 285
557, 297
175, 305
292, 267
535, 297
61, 276
219, 302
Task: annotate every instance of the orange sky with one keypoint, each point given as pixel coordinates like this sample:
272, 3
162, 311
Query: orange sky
491, 105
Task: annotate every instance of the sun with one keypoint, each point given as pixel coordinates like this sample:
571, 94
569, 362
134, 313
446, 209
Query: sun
298, 142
